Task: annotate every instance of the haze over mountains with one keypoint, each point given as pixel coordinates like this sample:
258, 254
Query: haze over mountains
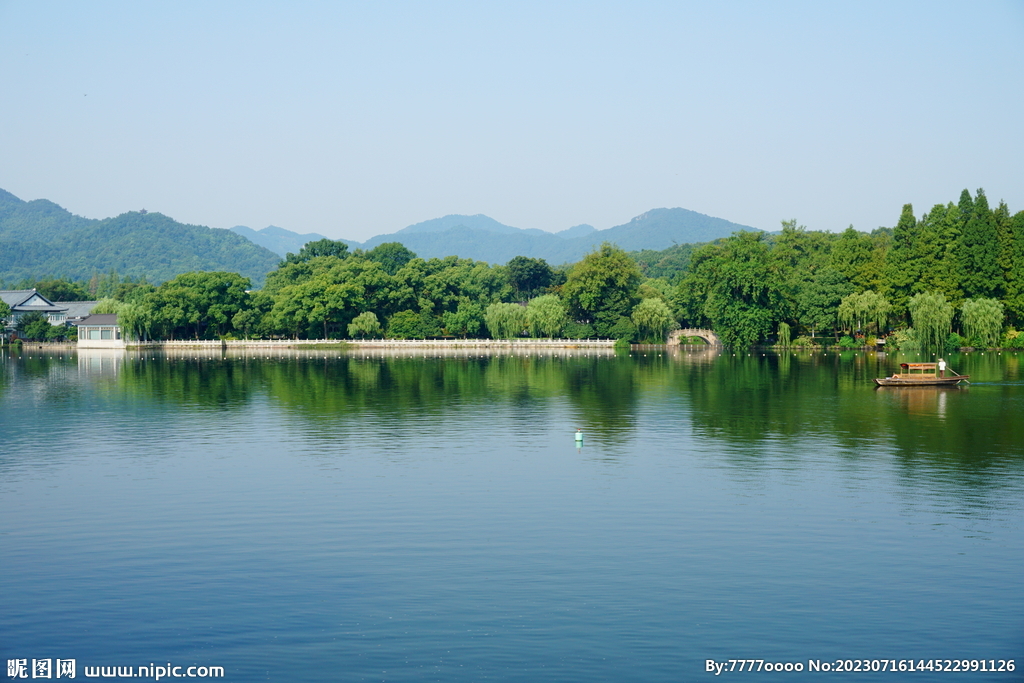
41, 239
484, 239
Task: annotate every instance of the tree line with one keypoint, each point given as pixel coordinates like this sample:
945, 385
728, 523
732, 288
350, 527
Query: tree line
953, 277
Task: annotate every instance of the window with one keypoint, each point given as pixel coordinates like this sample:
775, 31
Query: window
94, 332
106, 334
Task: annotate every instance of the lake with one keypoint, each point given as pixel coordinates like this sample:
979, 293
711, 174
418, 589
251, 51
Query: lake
324, 516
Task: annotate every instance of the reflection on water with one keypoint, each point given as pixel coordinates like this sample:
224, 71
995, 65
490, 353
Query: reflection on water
430, 516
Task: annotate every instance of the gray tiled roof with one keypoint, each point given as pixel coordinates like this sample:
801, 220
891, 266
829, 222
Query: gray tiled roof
79, 309
15, 298
101, 319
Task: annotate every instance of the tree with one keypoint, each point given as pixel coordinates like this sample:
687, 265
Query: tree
198, 303
364, 325
405, 325
34, 326
528, 276
1015, 276
979, 251
506, 321
464, 321
61, 290
602, 288
546, 315
857, 311
932, 316
819, 299
982, 320
901, 263
785, 335
653, 320
391, 256
316, 249
735, 288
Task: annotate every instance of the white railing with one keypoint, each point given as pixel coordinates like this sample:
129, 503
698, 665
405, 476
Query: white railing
378, 343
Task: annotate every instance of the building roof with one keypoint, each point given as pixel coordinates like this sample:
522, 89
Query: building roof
100, 319
79, 309
28, 300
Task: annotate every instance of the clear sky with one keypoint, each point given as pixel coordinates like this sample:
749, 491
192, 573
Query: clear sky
354, 119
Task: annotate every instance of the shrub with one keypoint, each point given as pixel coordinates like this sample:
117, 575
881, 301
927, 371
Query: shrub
803, 340
1013, 339
904, 340
575, 330
954, 342
848, 342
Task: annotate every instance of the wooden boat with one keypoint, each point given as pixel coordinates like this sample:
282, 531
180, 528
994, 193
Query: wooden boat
919, 375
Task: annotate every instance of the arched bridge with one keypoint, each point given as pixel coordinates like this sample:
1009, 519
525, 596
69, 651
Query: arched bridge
707, 335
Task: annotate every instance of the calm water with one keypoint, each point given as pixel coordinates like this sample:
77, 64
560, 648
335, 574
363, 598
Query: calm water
312, 517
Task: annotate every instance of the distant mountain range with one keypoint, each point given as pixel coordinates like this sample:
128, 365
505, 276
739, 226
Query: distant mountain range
277, 240
41, 239
484, 239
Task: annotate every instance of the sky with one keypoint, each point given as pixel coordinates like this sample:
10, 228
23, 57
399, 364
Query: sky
356, 119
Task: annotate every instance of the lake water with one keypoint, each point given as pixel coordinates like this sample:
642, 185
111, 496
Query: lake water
322, 517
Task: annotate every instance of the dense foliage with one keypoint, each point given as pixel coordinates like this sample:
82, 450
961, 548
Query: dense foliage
956, 274
40, 237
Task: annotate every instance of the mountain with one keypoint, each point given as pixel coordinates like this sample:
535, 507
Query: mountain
40, 239
485, 239
278, 240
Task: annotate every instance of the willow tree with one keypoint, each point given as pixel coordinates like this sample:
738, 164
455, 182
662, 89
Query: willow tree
932, 316
785, 335
982, 320
505, 321
653, 320
546, 315
863, 309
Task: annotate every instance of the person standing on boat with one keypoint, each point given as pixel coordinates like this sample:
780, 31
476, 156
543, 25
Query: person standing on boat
942, 368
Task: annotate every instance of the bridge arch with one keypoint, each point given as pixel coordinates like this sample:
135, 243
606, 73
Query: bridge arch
707, 335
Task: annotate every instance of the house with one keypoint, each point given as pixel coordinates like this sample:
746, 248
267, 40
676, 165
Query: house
77, 310
100, 332
24, 301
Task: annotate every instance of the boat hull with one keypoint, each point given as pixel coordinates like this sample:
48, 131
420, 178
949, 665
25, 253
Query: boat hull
920, 381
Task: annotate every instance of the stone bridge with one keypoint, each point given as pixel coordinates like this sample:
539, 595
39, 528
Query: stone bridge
707, 335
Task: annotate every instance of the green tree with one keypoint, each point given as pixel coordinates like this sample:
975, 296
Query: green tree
979, 251
853, 255
528, 276
546, 315
857, 311
61, 290
735, 288
602, 288
317, 249
653, 320
465, 321
785, 335
364, 325
34, 326
902, 269
392, 256
1015, 275
818, 300
197, 304
982, 321
405, 325
932, 316
506, 321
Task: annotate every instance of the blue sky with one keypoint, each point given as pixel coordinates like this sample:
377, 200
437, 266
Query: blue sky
354, 119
